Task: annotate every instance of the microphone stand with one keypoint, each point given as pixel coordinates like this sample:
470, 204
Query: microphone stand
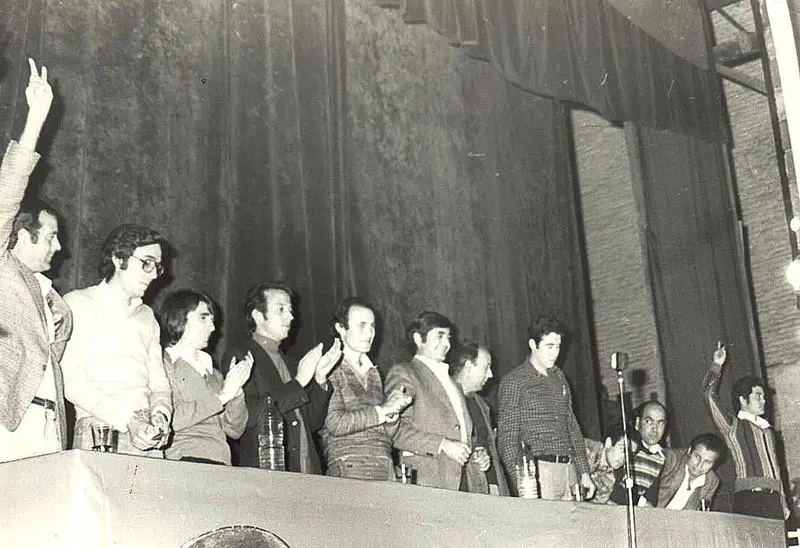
631, 522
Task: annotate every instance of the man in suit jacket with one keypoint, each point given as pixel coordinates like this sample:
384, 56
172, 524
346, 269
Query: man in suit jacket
471, 368
34, 321
688, 477
300, 390
434, 435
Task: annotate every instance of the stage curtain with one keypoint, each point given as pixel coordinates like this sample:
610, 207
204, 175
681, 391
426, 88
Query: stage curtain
695, 259
265, 145
582, 51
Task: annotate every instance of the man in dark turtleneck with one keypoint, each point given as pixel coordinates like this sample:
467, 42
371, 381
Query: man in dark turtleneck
300, 390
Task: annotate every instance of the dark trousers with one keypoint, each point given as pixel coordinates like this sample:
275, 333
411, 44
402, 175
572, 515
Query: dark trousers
761, 504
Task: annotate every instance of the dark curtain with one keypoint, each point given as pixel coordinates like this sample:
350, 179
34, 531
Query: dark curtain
696, 266
582, 51
266, 146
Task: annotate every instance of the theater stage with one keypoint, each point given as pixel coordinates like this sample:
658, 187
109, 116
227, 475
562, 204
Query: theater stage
85, 499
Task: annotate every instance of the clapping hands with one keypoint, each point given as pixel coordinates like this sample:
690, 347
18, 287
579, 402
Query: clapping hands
238, 373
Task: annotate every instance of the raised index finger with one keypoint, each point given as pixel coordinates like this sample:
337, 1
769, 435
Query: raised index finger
32, 64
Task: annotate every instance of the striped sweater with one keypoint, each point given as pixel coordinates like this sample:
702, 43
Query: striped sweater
752, 448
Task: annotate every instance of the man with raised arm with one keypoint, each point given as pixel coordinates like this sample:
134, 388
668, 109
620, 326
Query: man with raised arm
34, 321
758, 489
113, 368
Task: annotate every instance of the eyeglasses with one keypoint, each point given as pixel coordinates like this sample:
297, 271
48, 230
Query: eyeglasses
148, 265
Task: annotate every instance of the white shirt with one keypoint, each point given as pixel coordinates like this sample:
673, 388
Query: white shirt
199, 360
685, 491
761, 422
47, 389
442, 372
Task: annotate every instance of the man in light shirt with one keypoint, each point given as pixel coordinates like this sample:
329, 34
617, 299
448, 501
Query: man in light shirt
434, 434
688, 481
113, 369
35, 323
358, 431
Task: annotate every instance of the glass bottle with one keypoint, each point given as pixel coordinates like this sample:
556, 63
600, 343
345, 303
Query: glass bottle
271, 455
527, 487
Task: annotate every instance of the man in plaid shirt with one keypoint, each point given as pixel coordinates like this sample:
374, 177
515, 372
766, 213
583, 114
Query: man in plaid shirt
535, 404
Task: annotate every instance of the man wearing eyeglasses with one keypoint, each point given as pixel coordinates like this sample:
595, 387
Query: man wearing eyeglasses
113, 370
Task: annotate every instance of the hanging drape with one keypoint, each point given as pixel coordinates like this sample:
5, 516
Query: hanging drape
581, 51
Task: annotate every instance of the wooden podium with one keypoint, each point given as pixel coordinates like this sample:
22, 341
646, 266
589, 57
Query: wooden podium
84, 499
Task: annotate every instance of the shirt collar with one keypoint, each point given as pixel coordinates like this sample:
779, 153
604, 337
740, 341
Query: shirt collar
266, 343
440, 369
655, 449
45, 283
117, 299
199, 360
358, 361
760, 422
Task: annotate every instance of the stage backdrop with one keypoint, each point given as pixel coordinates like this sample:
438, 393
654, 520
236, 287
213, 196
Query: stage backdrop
306, 141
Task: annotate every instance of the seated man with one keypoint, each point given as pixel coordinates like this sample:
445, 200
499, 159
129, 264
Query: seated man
471, 368
113, 368
435, 432
648, 461
688, 481
358, 431
607, 461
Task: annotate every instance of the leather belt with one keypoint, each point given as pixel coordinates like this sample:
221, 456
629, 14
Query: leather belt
763, 490
560, 459
47, 404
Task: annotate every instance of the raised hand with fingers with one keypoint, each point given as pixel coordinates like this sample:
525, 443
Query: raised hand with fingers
39, 96
720, 354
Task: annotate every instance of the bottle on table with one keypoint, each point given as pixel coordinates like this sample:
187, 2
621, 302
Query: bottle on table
271, 454
525, 469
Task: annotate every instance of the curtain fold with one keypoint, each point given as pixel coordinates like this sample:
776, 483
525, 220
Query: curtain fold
586, 52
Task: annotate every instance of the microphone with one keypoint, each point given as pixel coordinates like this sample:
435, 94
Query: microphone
619, 361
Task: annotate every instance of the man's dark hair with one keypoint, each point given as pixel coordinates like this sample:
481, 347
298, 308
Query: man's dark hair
639, 412
256, 299
122, 242
342, 312
28, 217
544, 325
468, 351
744, 387
174, 310
711, 442
426, 321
